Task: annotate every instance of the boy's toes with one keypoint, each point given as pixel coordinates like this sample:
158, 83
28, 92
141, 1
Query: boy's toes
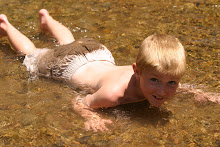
43, 12
3, 25
3, 18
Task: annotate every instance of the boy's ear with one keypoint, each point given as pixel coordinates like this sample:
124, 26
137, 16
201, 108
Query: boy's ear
136, 71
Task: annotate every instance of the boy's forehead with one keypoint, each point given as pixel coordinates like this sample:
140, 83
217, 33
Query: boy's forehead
156, 73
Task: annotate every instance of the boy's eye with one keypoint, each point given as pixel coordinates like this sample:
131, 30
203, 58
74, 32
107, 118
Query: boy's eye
154, 80
172, 82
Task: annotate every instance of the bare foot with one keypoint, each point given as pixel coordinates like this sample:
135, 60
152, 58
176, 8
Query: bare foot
44, 16
3, 25
61, 33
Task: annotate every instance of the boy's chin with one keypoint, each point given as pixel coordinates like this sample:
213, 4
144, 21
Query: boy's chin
156, 104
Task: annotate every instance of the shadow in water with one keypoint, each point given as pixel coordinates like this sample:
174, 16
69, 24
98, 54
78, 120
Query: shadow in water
140, 112
6, 49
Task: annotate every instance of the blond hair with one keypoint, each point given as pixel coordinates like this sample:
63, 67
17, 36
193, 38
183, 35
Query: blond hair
163, 52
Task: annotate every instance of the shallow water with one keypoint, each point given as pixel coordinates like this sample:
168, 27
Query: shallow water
39, 113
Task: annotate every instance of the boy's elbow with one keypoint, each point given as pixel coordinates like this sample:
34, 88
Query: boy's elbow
109, 98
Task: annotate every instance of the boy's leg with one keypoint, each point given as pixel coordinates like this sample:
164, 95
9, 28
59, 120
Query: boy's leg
19, 42
60, 32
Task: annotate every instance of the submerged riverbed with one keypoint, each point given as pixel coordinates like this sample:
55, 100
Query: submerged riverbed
39, 113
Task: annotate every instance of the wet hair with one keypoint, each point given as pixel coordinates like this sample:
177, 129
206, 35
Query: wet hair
165, 53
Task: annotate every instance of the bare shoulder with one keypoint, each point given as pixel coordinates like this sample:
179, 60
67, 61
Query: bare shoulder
112, 89
115, 82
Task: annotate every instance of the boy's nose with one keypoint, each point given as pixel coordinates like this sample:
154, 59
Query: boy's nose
162, 91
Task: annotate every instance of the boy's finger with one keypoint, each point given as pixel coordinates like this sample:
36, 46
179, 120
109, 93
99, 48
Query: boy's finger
87, 127
103, 127
94, 129
108, 121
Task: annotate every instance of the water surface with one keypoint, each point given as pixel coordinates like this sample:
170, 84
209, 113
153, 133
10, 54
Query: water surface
39, 113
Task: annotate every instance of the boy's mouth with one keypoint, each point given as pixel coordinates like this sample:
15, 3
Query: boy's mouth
158, 98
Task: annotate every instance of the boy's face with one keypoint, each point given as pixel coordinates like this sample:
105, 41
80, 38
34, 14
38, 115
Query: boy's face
157, 87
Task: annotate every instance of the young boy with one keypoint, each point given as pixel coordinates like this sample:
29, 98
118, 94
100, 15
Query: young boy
89, 65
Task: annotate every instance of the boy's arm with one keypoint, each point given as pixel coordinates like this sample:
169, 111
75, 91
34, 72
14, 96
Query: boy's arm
200, 95
84, 106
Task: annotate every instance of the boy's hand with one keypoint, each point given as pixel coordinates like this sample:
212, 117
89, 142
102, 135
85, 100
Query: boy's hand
97, 124
210, 96
201, 95
93, 120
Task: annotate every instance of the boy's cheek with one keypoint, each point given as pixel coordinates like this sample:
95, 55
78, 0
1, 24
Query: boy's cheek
171, 95
173, 91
